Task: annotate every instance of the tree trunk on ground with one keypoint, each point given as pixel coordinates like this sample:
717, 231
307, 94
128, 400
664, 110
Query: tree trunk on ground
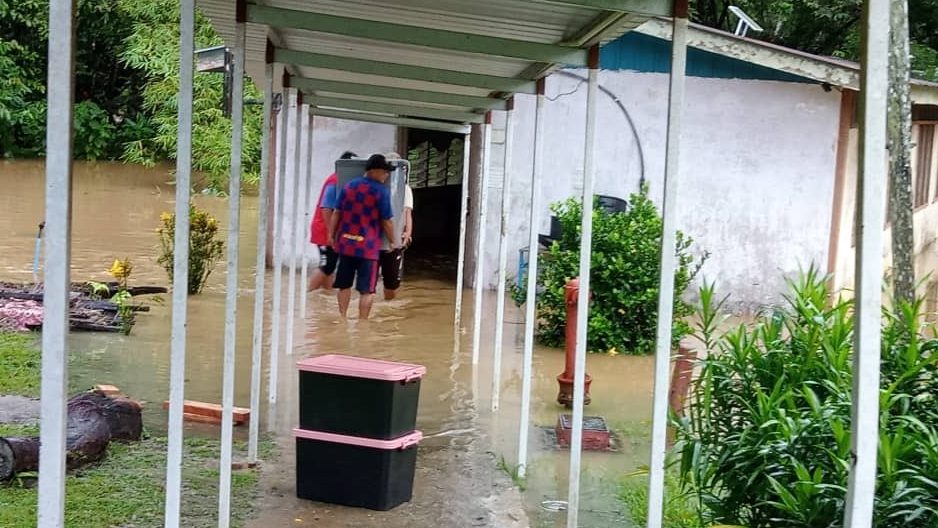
93, 421
900, 148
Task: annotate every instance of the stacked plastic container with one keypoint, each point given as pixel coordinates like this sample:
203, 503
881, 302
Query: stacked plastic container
357, 444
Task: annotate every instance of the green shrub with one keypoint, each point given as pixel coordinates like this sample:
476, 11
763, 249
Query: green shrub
767, 438
623, 279
679, 509
204, 250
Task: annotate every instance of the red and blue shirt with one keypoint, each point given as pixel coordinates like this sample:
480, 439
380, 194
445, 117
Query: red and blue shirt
362, 204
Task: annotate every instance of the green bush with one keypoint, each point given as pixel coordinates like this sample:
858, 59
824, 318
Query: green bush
204, 250
767, 439
623, 278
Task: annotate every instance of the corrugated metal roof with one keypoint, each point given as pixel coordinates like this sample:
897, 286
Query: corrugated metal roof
494, 38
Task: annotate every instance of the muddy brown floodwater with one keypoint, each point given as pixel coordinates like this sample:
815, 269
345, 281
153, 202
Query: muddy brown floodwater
459, 482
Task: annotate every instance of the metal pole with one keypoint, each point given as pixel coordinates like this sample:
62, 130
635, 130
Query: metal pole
260, 274
177, 376
308, 211
463, 213
302, 126
231, 286
861, 489
478, 287
61, 79
666, 278
502, 258
586, 248
530, 307
279, 195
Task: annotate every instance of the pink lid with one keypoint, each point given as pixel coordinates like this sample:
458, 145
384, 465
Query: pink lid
403, 442
359, 367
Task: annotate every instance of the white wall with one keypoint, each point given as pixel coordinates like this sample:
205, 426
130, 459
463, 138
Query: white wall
757, 170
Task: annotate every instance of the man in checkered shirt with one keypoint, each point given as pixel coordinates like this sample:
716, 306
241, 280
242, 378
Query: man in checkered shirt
362, 216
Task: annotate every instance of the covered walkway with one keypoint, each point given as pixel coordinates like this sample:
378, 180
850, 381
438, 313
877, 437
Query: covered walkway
438, 65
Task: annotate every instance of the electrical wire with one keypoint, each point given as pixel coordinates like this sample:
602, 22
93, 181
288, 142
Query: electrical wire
625, 113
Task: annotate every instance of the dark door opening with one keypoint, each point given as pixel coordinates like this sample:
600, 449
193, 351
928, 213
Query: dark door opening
436, 172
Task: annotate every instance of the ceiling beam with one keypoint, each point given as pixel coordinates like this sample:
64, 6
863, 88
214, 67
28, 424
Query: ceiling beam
404, 94
663, 8
403, 71
415, 35
400, 109
391, 120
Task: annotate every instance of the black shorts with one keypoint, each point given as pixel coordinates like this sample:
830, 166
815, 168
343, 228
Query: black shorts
328, 259
392, 266
360, 271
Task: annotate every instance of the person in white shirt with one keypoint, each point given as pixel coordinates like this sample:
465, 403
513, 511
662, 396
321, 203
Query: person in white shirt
392, 262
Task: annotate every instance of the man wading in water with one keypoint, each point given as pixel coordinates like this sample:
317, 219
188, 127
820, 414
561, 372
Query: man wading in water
362, 215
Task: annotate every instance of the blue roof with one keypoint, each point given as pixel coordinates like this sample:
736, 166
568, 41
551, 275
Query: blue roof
643, 53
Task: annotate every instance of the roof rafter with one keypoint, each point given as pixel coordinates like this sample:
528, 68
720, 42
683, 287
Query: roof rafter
403, 71
662, 8
416, 35
404, 94
391, 120
400, 109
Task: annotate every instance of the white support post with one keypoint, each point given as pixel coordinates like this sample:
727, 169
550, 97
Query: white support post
260, 269
177, 375
668, 262
231, 282
302, 127
61, 82
280, 183
463, 213
478, 286
871, 185
586, 249
308, 211
502, 259
530, 311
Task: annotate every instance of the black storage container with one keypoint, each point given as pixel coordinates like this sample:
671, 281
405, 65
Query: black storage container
360, 397
359, 472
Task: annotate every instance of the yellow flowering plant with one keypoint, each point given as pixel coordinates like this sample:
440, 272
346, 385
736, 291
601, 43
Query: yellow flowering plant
204, 249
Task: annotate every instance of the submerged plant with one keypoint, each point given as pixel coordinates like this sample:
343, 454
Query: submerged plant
204, 250
766, 442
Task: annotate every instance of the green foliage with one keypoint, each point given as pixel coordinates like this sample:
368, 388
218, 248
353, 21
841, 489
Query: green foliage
623, 278
204, 250
153, 48
767, 439
679, 508
825, 27
19, 365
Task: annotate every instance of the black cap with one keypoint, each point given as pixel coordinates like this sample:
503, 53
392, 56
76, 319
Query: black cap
348, 154
378, 161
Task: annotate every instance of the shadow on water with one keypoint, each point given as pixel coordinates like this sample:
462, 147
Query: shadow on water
116, 213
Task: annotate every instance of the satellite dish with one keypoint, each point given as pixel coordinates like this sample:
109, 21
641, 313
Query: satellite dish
745, 22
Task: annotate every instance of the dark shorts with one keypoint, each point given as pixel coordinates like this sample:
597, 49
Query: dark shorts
392, 266
328, 259
360, 271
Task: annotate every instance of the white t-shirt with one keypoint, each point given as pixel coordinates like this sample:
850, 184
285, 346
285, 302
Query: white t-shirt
408, 198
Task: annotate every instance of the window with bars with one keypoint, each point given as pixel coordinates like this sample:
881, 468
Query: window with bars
924, 165
431, 167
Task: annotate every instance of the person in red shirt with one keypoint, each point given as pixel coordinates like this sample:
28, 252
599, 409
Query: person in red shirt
319, 231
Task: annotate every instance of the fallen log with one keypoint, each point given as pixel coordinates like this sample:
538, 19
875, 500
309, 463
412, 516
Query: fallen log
94, 419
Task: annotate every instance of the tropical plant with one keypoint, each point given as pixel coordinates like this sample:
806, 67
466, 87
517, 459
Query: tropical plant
204, 250
623, 278
766, 442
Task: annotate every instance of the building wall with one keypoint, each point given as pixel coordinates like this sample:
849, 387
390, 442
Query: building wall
757, 170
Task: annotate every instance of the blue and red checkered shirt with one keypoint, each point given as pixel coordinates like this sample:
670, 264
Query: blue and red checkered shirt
362, 204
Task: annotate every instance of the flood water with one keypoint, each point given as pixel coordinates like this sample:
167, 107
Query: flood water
116, 212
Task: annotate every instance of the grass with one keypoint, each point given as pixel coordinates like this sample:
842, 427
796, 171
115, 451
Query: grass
19, 364
126, 489
679, 510
514, 472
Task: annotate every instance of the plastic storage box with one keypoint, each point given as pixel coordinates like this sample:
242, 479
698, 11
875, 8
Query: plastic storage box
360, 472
362, 397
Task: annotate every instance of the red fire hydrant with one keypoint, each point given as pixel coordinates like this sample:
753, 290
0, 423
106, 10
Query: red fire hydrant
565, 380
